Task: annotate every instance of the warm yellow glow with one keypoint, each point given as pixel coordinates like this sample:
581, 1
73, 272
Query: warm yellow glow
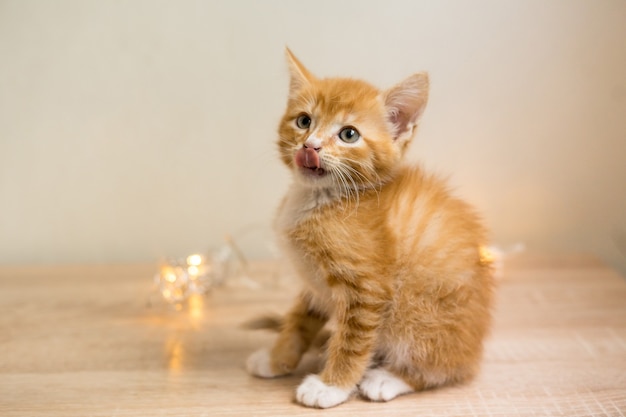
486, 255
174, 349
195, 304
194, 260
168, 274
179, 279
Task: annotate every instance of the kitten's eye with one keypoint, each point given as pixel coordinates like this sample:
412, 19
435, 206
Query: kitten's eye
349, 135
303, 121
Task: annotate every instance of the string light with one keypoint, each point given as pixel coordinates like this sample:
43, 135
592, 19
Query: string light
178, 280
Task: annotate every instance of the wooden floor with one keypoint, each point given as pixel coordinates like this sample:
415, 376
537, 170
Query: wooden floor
97, 341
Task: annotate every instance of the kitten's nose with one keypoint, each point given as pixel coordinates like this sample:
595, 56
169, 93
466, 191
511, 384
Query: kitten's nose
310, 147
313, 144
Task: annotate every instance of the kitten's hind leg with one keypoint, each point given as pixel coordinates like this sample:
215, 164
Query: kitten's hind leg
379, 384
259, 364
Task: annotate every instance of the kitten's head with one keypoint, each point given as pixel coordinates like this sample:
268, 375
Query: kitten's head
345, 133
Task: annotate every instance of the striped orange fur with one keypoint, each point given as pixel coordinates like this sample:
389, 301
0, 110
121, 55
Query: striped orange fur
385, 251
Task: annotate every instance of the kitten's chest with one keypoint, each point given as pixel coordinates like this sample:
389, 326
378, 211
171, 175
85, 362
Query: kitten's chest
304, 226
301, 223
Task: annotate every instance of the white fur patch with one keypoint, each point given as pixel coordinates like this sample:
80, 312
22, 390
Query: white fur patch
301, 200
312, 392
258, 364
381, 385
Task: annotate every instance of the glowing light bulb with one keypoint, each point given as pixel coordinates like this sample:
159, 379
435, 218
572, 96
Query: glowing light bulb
487, 256
194, 260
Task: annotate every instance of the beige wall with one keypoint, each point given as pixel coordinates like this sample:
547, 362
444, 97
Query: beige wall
132, 130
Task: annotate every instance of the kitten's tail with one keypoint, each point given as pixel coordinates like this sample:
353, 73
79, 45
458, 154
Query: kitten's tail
271, 322
275, 323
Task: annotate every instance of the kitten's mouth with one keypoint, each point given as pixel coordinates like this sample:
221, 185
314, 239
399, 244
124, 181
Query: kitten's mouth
309, 162
317, 172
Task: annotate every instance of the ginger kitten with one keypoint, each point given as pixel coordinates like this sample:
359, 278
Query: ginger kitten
384, 250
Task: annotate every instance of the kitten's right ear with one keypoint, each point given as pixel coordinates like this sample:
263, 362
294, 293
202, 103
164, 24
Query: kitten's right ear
300, 76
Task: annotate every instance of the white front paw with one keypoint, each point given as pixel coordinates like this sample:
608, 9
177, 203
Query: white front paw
312, 392
381, 385
259, 364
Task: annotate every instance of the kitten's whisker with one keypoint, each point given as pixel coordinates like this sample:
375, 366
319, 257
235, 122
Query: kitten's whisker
352, 181
342, 182
374, 186
338, 177
366, 167
351, 187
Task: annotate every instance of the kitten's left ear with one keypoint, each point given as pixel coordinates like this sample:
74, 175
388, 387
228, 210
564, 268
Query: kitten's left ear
405, 103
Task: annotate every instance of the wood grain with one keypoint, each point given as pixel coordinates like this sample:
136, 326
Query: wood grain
97, 341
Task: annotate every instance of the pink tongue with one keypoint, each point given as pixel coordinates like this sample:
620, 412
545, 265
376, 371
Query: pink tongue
307, 158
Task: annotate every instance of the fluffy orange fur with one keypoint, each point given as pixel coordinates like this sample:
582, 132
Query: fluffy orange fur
385, 251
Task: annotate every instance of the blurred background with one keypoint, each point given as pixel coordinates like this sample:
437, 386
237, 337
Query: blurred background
136, 130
